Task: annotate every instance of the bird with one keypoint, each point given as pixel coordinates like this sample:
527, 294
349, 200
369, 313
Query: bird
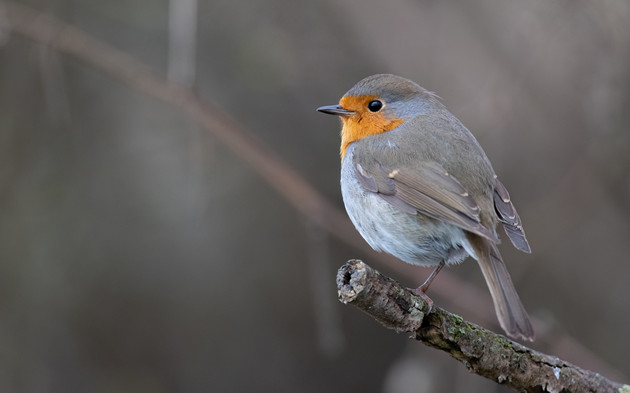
416, 184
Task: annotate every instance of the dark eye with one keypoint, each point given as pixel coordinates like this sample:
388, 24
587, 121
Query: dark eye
375, 106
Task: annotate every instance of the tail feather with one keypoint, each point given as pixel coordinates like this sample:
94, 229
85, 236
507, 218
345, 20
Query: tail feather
510, 311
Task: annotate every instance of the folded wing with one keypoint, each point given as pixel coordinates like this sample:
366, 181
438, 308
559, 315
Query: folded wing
428, 189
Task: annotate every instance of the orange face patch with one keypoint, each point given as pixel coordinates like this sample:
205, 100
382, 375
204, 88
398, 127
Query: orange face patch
363, 122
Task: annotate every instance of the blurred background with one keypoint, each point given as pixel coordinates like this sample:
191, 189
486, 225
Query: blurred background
138, 253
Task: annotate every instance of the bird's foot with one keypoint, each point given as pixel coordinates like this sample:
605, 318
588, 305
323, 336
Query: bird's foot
421, 291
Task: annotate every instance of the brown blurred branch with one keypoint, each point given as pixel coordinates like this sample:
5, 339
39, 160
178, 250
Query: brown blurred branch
483, 352
70, 40
58, 35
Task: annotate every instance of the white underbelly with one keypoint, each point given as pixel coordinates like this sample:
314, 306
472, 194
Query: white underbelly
415, 239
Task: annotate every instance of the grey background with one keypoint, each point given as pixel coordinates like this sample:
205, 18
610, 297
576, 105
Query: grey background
138, 254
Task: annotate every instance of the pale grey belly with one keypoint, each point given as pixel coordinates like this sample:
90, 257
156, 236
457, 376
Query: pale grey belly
415, 239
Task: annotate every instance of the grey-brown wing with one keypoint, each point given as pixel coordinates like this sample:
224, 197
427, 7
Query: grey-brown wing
376, 181
509, 217
429, 190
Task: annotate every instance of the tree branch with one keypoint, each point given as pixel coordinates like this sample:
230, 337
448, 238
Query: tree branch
483, 352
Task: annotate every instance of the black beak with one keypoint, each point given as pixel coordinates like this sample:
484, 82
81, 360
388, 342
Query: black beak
335, 110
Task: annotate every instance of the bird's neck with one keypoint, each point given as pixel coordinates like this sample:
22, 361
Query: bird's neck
359, 127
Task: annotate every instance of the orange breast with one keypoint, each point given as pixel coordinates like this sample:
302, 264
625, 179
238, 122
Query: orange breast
363, 123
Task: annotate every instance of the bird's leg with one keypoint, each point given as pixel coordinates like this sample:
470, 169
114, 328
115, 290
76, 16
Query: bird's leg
422, 289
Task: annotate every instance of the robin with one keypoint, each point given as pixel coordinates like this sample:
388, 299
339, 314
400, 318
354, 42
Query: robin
417, 185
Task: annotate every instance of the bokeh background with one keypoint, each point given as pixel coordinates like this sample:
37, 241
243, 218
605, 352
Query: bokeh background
139, 254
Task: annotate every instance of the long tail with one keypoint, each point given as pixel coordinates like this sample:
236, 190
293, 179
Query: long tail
510, 311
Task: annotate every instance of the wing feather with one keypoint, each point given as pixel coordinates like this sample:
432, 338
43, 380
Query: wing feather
509, 217
429, 190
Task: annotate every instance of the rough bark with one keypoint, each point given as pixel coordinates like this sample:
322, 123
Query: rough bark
483, 352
